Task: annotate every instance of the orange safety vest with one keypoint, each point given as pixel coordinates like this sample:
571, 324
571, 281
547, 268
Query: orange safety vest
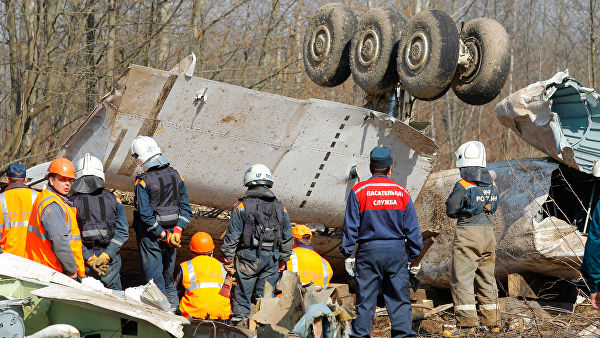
15, 207
39, 248
203, 278
310, 266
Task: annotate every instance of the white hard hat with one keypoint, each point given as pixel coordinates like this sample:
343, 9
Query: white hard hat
471, 154
89, 165
144, 148
258, 174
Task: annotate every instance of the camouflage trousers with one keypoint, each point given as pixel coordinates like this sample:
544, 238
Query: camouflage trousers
473, 281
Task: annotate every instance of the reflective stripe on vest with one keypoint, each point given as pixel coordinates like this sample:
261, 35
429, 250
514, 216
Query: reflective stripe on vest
94, 232
325, 272
167, 218
204, 285
36, 232
294, 260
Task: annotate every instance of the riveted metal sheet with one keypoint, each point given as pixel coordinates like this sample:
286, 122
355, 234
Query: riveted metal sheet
309, 145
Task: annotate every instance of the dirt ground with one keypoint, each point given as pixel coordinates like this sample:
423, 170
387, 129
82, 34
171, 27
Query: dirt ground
516, 322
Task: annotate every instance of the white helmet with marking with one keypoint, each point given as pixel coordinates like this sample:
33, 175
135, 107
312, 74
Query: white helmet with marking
89, 165
258, 174
471, 154
144, 148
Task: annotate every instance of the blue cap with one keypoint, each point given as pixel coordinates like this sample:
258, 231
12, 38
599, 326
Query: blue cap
381, 157
16, 170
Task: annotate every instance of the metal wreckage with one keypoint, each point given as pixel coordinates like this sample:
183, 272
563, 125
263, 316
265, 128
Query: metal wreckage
317, 150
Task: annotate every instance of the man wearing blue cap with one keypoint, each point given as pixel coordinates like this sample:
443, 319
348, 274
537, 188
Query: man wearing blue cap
381, 218
15, 203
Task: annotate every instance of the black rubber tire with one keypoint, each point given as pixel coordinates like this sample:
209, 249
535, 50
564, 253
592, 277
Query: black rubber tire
483, 80
373, 50
428, 54
442, 93
326, 46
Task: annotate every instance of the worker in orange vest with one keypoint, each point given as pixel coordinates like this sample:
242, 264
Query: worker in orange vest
199, 281
304, 261
53, 237
15, 206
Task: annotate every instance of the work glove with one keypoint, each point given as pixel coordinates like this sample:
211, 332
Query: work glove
350, 265
413, 281
91, 260
229, 266
175, 239
167, 237
100, 264
414, 270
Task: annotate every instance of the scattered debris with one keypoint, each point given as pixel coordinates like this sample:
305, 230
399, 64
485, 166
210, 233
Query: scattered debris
57, 331
559, 117
518, 287
73, 302
433, 311
303, 309
590, 331
284, 311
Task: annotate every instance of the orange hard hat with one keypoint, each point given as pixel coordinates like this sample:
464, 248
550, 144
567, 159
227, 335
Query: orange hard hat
63, 167
202, 243
300, 231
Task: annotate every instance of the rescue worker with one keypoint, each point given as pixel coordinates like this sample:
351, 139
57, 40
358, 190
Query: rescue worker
15, 206
102, 222
162, 213
259, 239
381, 219
199, 281
304, 261
590, 266
473, 202
53, 236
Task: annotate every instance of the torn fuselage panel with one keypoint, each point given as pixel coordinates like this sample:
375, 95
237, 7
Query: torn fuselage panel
559, 117
211, 132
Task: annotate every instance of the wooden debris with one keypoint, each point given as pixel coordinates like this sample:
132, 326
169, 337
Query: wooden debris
420, 294
421, 306
317, 328
518, 287
510, 306
342, 295
590, 331
433, 311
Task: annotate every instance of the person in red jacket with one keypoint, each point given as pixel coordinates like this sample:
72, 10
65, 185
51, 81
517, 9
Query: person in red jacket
381, 219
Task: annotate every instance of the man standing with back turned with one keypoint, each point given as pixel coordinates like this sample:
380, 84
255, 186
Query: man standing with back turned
162, 212
473, 202
258, 241
381, 218
102, 221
